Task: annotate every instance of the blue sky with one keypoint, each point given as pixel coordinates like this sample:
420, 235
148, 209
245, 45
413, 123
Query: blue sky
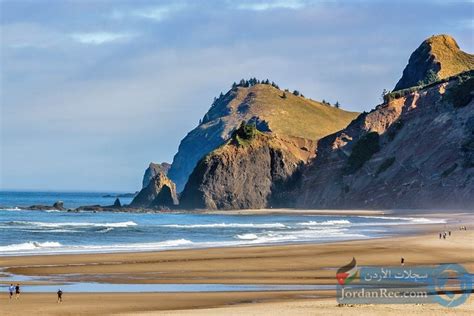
92, 91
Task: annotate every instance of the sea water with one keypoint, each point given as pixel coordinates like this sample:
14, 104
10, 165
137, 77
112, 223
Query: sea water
48, 232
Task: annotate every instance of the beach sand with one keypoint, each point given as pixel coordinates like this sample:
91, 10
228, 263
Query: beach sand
283, 264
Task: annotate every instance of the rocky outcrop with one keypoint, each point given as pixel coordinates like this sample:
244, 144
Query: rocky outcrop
271, 109
59, 205
154, 169
117, 203
252, 170
411, 152
159, 193
438, 57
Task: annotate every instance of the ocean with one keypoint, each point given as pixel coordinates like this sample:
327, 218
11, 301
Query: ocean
50, 231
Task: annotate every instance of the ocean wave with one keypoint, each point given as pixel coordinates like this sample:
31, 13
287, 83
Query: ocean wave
11, 209
72, 224
106, 230
411, 220
56, 247
247, 236
227, 225
326, 223
32, 245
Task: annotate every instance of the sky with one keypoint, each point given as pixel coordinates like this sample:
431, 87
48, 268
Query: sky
92, 91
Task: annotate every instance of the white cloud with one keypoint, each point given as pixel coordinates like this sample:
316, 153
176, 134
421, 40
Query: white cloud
154, 13
98, 38
269, 5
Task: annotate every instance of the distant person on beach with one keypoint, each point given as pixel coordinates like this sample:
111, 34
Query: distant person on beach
402, 261
60, 296
11, 289
17, 291
449, 233
440, 235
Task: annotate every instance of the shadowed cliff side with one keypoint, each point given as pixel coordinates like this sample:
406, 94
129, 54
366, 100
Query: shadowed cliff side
415, 151
159, 193
152, 170
252, 170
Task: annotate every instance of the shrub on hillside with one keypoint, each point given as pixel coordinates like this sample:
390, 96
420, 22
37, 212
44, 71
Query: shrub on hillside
245, 133
387, 163
460, 94
362, 151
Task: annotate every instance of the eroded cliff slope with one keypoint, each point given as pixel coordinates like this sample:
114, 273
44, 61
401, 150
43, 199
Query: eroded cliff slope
416, 151
252, 170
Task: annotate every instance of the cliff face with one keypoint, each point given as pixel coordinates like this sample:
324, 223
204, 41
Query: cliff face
246, 173
159, 193
437, 56
263, 104
154, 169
416, 151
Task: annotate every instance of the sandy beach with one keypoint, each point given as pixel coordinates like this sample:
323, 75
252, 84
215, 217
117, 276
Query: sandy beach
282, 264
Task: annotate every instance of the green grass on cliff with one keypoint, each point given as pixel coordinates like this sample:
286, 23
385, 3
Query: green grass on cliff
293, 115
447, 53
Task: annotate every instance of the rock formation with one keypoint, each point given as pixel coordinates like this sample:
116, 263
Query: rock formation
438, 57
117, 203
152, 170
415, 151
159, 193
263, 104
252, 170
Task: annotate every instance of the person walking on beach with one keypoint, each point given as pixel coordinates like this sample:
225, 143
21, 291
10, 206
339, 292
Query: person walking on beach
60, 296
17, 291
11, 289
402, 261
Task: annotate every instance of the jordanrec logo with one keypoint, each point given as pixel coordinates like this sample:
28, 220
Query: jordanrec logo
347, 273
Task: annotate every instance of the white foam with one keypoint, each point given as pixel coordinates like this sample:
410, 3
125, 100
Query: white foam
32, 245
55, 247
410, 220
74, 224
326, 223
11, 209
106, 230
226, 225
247, 236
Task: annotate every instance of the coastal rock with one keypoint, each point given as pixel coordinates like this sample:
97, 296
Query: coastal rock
161, 191
252, 170
414, 151
152, 170
59, 205
438, 56
117, 203
264, 105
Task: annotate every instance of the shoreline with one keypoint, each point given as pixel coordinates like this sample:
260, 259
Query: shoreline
293, 264
136, 267
405, 229
264, 211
